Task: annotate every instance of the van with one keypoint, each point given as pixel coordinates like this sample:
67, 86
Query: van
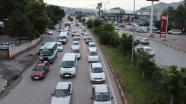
68, 65
63, 37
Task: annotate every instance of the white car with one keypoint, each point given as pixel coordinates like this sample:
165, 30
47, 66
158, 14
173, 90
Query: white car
174, 31
62, 93
97, 73
64, 30
86, 35
75, 44
93, 55
59, 46
101, 94
50, 32
92, 45
76, 50
147, 50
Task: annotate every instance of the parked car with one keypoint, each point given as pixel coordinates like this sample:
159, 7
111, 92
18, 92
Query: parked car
97, 73
157, 32
62, 93
146, 50
40, 70
101, 94
174, 31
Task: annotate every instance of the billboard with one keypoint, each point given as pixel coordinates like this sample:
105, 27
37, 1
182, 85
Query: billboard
163, 26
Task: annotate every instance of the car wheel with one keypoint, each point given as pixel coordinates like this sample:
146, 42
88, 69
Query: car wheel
44, 76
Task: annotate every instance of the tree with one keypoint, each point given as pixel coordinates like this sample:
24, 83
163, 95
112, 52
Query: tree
37, 14
180, 19
97, 23
89, 23
19, 25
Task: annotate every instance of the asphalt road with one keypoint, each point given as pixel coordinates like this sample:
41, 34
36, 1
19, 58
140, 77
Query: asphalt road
164, 55
39, 91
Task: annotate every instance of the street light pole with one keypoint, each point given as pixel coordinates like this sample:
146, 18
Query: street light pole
151, 18
105, 6
132, 58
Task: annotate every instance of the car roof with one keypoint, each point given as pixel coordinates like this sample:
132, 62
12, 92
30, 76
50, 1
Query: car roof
75, 47
96, 64
92, 49
100, 88
91, 43
75, 41
63, 85
69, 57
58, 42
146, 47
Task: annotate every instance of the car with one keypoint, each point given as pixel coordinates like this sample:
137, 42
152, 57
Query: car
62, 93
77, 51
40, 70
75, 44
64, 30
157, 32
146, 50
97, 73
88, 39
50, 32
101, 94
141, 30
117, 27
93, 55
86, 35
121, 25
59, 46
76, 38
144, 41
84, 31
175, 31
92, 45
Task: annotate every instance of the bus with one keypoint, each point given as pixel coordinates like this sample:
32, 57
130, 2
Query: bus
48, 52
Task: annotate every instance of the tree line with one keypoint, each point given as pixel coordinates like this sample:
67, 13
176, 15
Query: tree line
168, 81
29, 18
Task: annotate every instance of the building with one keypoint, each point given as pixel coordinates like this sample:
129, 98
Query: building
145, 15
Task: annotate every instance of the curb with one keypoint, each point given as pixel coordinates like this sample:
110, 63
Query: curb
5, 85
112, 70
174, 47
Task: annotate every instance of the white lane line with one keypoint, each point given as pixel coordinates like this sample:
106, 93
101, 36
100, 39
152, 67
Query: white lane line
78, 100
106, 72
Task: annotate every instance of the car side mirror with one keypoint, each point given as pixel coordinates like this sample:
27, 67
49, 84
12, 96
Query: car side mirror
32, 69
59, 65
112, 98
91, 98
52, 94
89, 70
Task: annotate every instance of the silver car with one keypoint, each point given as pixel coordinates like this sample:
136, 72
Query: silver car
101, 94
62, 93
97, 73
76, 50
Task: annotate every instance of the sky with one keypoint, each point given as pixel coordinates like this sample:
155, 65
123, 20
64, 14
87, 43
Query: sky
124, 4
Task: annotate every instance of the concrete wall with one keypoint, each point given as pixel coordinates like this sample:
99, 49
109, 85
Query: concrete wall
18, 50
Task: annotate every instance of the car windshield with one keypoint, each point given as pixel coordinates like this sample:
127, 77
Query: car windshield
92, 45
67, 64
75, 51
75, 43
62, 37
61, 92
97, 70
93, 53
39, 68
148, 49
101, 97
59, 44
45, 52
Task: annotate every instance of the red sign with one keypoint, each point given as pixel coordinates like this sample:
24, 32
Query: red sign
152, 0
163, 26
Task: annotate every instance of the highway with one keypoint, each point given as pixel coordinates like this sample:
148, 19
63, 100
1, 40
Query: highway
164, 55
39, 91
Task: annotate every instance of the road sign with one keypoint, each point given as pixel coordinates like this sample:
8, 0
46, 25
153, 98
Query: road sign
163, 26
99, 5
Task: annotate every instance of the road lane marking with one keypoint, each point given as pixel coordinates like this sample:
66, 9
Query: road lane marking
106, 71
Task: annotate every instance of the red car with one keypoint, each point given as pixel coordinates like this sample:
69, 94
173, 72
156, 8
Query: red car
40, 70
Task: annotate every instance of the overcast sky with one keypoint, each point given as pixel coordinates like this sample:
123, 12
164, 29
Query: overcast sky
124, 4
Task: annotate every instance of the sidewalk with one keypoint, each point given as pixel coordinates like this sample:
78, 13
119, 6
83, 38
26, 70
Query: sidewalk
174, 41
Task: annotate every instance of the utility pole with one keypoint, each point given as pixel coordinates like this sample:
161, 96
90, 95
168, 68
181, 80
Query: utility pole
132, 58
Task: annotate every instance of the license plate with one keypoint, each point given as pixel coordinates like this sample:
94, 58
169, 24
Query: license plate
66, 75
36, 77
98, 80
